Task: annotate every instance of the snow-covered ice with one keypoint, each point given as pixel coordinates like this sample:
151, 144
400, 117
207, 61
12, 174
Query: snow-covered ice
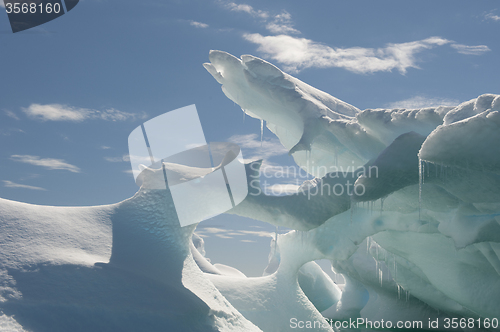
422, 241
437, 238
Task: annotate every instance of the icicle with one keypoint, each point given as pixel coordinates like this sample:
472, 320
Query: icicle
368, 245
399, 291
423, 172
261, 131
381, 274
420, 181
382, 205
407, 295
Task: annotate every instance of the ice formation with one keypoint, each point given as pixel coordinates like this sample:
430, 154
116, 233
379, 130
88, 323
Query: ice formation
121, 267
422, 241
437, 238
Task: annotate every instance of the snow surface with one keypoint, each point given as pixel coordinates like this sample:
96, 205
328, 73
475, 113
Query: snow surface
421, 242
121, 267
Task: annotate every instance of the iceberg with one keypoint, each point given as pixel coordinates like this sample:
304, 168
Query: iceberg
414, 235
121, 267
427, 224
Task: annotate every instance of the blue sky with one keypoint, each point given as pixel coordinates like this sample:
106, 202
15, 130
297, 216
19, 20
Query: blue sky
74, 88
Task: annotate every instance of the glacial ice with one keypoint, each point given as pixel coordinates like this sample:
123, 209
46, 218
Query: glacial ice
421, 242
437, 239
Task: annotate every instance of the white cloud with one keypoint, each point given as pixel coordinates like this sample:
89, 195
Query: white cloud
104, 147
57, 112
422, 102
257, 233
2, 4
10, 184
300, 53
255, 149
471, 50
247, 9
114, 159
49, 163
276, 24
114, 115
10, 131
297, 54
231, 233
123, 158
493, 17
11, 114
282, 24
198, 24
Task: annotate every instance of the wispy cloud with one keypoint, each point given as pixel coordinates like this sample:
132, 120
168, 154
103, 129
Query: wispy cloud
124, 158
246, 9
198, 24
491, 16
297, 53
48, 163
57, 112
10, 131
282, 24
300, 53
276, 23
10, 184
232, 233
11, 114
254, 149
421, 102
471, 50
104, 147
